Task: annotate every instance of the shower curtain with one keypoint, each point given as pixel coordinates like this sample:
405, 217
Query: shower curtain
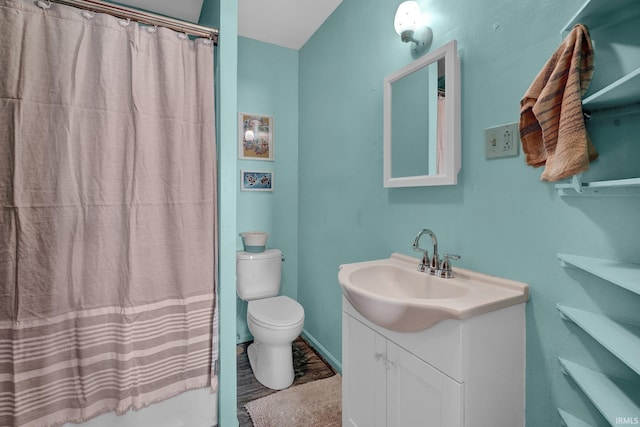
108, 215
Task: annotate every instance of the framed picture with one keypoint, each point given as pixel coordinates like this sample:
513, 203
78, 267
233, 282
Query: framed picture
256, 180
255, 137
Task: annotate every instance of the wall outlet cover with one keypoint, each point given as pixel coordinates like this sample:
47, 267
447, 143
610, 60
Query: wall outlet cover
502, 141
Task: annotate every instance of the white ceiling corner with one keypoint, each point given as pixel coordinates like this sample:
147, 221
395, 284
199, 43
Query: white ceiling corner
287, 23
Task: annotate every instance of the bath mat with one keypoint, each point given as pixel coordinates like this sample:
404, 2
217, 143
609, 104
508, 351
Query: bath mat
318, 403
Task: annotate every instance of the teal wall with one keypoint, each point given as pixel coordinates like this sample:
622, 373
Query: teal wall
223, 14
268, 85
501, 218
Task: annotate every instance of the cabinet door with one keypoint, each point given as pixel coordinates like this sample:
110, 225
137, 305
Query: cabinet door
420, 395
363, 382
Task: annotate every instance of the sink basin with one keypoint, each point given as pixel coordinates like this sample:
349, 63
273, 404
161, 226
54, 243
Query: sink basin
391, 293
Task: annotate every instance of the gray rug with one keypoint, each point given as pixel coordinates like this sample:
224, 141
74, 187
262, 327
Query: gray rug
314, 404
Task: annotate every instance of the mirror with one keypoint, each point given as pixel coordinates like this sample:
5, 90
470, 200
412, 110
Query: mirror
422, 121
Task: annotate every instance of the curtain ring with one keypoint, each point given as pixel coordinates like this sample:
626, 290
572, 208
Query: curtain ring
88, 14
43, 4
152, 30
207, 41
124, 22
183, 36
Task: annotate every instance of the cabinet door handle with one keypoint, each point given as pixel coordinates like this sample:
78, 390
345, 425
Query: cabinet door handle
387, 363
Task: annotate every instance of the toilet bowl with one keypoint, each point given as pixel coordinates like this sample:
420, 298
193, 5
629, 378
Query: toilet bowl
274, 321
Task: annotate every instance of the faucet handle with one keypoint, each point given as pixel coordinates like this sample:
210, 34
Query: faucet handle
424, 263
445, 266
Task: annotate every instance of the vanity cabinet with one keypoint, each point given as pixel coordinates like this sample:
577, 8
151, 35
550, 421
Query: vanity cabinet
457, 373
388, 386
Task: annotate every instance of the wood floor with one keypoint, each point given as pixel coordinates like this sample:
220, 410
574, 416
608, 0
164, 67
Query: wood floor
307, 364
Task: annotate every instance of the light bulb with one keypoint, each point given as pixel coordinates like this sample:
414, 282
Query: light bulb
408, 17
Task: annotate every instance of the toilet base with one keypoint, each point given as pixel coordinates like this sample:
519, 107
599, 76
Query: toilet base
272, 365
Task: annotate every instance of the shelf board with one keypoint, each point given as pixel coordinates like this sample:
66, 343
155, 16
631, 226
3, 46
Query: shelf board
599, 13
571, 421
623, 91
616, 187
621, 339
613, 398
622, 274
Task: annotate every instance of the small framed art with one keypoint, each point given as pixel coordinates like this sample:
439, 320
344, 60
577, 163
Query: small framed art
256, 180
255, 137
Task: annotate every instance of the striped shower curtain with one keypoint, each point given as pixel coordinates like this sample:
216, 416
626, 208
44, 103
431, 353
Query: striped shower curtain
107, 215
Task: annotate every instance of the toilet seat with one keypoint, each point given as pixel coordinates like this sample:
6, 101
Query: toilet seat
279, 312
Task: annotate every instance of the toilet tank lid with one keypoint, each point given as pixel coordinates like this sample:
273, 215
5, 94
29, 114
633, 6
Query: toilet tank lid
269, 253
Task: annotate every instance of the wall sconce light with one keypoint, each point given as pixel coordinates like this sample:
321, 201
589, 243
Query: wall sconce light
410, 26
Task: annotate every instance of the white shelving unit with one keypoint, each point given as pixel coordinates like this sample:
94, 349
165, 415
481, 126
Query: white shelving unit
621, 339
617, 187
598, 13
623, 91
621, 96
613, 397
625, 275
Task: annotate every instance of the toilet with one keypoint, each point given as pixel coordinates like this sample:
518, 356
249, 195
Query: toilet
274, 321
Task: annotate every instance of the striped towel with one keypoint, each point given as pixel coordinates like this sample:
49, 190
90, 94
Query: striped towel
552, 128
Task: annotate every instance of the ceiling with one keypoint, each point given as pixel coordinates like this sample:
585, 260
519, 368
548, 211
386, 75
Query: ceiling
287, 23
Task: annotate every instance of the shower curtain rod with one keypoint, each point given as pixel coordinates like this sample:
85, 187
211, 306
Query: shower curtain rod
144, 17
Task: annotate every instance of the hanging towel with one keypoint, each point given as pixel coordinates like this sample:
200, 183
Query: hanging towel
552, 128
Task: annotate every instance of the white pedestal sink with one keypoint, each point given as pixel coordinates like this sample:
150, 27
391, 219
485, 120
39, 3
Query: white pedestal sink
391, 293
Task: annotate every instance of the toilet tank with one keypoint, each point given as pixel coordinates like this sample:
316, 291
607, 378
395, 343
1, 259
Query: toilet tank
258, 274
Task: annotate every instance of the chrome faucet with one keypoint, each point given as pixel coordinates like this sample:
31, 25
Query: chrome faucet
433, 266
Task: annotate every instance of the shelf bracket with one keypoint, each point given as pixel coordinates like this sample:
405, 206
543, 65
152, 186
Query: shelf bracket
576, 183
564, 370
562, 315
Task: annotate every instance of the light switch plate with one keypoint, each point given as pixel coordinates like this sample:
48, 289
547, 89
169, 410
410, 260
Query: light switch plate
502, 141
